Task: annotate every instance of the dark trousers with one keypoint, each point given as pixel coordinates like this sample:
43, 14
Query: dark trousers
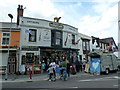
77, 68
81, 68
50, 75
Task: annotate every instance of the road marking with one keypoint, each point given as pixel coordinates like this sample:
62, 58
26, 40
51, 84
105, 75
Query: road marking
115, 85
73, 87
101, 79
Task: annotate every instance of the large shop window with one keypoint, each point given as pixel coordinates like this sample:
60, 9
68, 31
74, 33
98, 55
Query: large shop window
32, 35
5, 38
30, 58
56, 38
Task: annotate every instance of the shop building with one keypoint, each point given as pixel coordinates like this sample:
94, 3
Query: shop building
42, 38
9, 46
85, 46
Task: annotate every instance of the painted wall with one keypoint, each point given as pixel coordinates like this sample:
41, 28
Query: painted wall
15, 38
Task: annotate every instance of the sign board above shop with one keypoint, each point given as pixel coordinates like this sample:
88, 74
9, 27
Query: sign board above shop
56, 25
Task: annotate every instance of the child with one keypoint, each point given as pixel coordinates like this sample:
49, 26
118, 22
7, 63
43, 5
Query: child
51, 73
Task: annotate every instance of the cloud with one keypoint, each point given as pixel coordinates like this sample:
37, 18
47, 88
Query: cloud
103, 24
34, 8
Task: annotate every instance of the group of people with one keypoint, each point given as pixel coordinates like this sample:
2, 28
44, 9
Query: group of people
59, 69
57, 65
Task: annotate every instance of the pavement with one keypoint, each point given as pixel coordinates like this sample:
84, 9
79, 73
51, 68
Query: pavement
26, 78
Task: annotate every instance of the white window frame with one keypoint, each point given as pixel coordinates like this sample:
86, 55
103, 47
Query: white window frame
5, 37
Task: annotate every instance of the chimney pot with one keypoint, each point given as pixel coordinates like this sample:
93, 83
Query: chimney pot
18, 6
21, 6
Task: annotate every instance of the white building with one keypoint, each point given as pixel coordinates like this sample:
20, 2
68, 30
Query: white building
45, 38
85, 45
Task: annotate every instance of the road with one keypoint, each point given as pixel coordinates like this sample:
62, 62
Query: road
84, 80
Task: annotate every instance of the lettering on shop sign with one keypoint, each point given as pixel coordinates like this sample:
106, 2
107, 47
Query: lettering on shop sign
34, 22
71, 29
57, 25
30, 48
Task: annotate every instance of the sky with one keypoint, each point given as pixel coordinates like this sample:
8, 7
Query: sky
97, 18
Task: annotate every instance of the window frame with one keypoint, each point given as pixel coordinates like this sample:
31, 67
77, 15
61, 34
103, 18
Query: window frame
73, 39
54, 38
86, 45
6, 44
31, 34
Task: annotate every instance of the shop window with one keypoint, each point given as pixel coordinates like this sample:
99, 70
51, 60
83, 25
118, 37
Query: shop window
29, 58
32, 35
5, 38
73, 39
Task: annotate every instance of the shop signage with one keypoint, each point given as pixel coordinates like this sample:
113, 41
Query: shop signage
56, 25
33, 22
30, 48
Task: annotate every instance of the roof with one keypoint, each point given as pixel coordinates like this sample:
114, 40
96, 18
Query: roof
108, 41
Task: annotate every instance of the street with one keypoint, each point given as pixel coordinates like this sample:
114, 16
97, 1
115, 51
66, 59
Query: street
84, 80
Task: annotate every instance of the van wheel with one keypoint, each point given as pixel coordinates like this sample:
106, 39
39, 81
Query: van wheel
107, 71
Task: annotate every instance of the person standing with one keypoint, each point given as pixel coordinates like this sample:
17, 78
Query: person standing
77, 64
81, 65
53, 64
68, 67
84, 63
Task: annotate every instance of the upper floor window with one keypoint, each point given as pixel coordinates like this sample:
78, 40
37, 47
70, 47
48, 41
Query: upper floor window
5, 38
56, 38
32, 35
86, 45
73, 39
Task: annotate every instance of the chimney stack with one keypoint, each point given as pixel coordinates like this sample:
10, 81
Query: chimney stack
19, 12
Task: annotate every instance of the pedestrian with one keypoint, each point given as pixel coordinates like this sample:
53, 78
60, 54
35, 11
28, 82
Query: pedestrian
43, 66
87, 67
68, 67
53, 64
84, 63
81, 65
51, 73
63, 67
77, 64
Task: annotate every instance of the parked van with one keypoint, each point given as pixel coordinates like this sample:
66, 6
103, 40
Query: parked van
103, 62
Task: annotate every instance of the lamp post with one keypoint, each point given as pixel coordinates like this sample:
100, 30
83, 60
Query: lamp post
118, 39
11, 17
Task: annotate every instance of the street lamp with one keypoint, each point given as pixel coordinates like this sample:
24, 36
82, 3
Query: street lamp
118, 39
11, 16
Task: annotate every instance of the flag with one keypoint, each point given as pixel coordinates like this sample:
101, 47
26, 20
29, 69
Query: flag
77, 41
28, 31
66, 40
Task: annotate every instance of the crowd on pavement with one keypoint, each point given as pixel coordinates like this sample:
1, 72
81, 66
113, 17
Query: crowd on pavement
54, 65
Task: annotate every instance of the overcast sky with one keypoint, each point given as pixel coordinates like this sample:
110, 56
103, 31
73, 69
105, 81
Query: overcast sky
97, 18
